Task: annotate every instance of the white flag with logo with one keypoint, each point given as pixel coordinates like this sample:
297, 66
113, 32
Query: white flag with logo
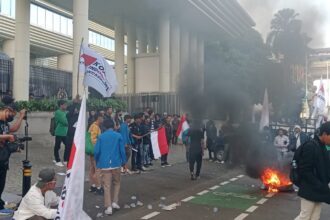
319, 102
98, 73
72, 195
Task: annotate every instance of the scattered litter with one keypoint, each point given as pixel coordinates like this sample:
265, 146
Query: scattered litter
97, 206
99, 215
133, 205
252, 186
139, 203
169, 208
133, 197
61, 174
215, 209
127, 206
161, 205
162, 198
149, 206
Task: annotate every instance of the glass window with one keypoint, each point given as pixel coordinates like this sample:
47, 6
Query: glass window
5, 7
33, 15
49, 20
57, 22
41, 17
12, 8
64, 25
70, 27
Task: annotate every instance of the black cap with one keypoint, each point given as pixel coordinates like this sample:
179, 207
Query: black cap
7, 100
45, 176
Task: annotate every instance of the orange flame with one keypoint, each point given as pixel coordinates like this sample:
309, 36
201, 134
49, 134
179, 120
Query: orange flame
273, 179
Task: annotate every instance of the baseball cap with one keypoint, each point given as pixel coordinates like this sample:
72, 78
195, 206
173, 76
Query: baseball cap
45, 175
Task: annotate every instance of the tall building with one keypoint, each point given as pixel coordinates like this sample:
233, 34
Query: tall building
149, 42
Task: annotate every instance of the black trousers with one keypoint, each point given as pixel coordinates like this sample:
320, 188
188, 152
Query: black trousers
174, 137
58, 141
3, 174
195, 157
136, 160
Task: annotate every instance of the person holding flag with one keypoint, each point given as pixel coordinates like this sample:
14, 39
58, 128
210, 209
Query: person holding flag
319, 106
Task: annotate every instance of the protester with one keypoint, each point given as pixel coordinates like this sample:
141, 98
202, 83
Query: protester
72, 117
127, 137
313, 168
107, 115
110, 156
169, 133
118, 118
91, 117
33, 205
7, 115
281, 142
94, 173
61, 132
299, 138
196, 149
211, 135
146, 128
175, 125
137, 149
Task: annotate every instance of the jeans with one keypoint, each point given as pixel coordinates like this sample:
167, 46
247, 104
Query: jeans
195, 157
280, 158
58, 141
146, 154
309, 210
137, 156
3, 174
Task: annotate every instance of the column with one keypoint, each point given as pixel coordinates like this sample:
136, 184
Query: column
80, 31
175, 55
119, 54
184, 49
22, 51
64, 62
164, 53
8, 48
151, 41
200, 60
142, 40
131, 52
193, 51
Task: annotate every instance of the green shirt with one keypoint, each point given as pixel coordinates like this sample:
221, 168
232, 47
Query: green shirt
61, 123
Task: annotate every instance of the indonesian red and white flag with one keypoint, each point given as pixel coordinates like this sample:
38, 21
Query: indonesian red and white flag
319, 103
159, 142
183, 126
72, 196
98, 73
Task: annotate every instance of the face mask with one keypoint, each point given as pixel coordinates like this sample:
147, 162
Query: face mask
10, 119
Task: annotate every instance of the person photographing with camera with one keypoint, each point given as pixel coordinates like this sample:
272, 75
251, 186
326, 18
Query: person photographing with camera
7, 115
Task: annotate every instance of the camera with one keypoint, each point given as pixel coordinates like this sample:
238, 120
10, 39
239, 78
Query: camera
18, 144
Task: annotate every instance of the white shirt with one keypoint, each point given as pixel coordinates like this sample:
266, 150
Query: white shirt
298, 140
33, 204
281, 142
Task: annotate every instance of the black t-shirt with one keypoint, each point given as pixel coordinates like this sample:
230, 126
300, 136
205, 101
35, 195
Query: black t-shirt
136, 129
4, 153
196, 137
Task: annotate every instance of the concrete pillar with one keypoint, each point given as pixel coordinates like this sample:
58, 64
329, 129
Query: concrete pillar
200, 60
8, 47
80, 30
164, 53
119, 54
64, 62
142, 38
151, 41
193, 51
131, 52
184, 49
175, 55
22, 51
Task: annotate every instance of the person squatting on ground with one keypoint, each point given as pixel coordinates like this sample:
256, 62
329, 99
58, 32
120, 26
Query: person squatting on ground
110, 156
33, 205
61, 132
196, 150
7, 115
281, 142
94, 173
314, 172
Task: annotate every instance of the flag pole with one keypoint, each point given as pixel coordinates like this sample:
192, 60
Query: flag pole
82, 40
328, 88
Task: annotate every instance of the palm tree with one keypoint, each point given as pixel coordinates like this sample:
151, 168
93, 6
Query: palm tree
285, 39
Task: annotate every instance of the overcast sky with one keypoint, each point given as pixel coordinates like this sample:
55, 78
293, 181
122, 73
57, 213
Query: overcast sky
315, 15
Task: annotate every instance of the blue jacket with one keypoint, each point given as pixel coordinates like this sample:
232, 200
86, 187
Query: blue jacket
126, 134
109, 151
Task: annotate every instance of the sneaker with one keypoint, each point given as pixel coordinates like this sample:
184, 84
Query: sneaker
150, 164
192, 177
92, 189
108, 211
6, 212
54, 161
65, 163
163, 165
59, 164
99, 191
167, 164
115, 205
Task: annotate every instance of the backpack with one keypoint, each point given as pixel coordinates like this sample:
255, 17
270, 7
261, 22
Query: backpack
294, 170
52, 126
